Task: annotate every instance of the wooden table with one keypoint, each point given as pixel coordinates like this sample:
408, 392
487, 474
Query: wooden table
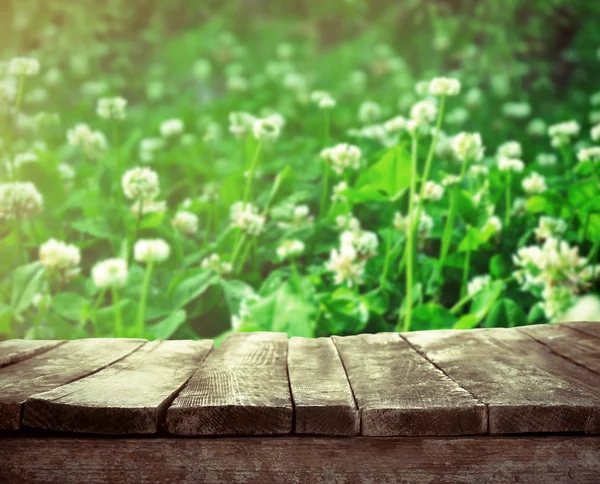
489, 405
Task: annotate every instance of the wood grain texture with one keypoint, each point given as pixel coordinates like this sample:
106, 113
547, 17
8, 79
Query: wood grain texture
53, 368
590, 327
323, 400
359, 460
527, 387
15, 350
399, 392
242, 388
128, 397
578, 347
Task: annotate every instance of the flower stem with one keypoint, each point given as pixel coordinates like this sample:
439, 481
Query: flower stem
95, 307
507, 199
253, 165
21, 242
138, 221
118, 328
325, 192
140, 326
466, 270
237, 248
410, 239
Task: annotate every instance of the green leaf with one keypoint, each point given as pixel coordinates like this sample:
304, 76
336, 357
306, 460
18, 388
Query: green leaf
378, 301
192, 286
95, 227
483, 302
346, 313
167, 327
391, 174
6, 315
505, 314
498, 267
431, 316
536, 204
70, 305
235, 292
468, 321
27, 281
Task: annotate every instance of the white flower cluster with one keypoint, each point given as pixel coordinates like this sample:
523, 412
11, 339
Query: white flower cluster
444, 86
369, 112
493, 224
213, 262
510, 149
171, 128
290, 249
507, 165
589, 154
422, 113
300, 218
247, 218
8, 93
20, 200
149, 206
347, 222
149, 147
342, 157
323, 99
595, 133
60, 259
151, 250
468, 146
534, 184
185, 222
549, 227
111, 108
516, 110
268, 129
110, 273
562, 133
477, 284
140, 184
546, 159
348, 262
93, 143
425, 226
431, 191
240, 123
23, 67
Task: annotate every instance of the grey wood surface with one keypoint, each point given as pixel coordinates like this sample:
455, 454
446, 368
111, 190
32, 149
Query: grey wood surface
399, 392
128, 397
242, 388
526, 387
261, 460
323, 400
15, 350
53, 368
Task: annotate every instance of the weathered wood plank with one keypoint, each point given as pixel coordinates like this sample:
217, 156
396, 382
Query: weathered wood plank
15, 350
53, 368
242, 388
467, 460
590, 327
323, 400
527, 388
578, 347
399, 392
128, 397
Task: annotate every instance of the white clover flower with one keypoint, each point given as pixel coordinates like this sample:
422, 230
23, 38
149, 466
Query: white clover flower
110, 273
41, 301
494, 224
395, 125
20, 200
550, 227
323, 99
546, 159
149, 147
555, 300
24, 67
337, 193
213, 262
562, 133
347, 222
240, 123
468, 146
140, 184
450, 180
171, 128
185, 222
151, 250
519, 207
444, 86
93, 142
365, 243
516, 110
266, 129
508, 165
149, 206
290, 249
369, 112
595, 133
67, 173
8, 93
25, 158
300, 218
342, 157
423, 113
79, 135
589, 154
111, 107
346, 267
432, 191
534, 184
537, 127
247, 219
60, 258
401, 224
478, 283
510, 149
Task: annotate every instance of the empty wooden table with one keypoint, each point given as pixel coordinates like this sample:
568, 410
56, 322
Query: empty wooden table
487, 405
